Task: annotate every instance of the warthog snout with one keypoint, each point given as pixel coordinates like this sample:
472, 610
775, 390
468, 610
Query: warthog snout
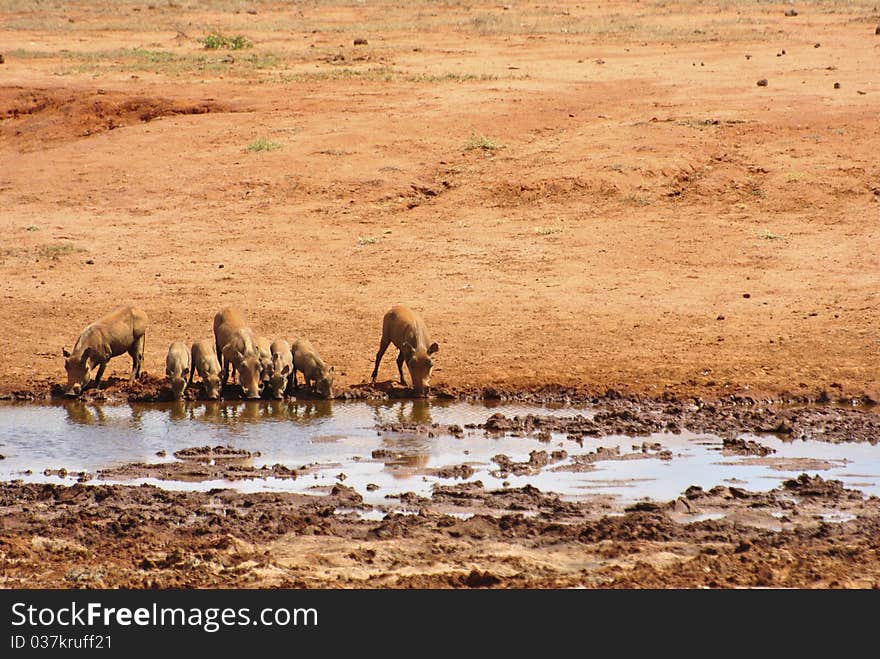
250, 376
420, 371
212, 387
78, 373
178, 385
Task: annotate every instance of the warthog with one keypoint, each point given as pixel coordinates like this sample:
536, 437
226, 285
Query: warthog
122, 330
204, 362
235, 345
264, 348
280, 369
317, 376
407, 331
177, 368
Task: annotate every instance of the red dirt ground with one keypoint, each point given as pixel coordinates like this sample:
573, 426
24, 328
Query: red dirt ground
572, 194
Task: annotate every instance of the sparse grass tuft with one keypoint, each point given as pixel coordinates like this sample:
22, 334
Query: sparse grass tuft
263, 144
450, 77
769, 235
54, 252
481, 142
637, 199
216, 40
367, 240
549, 231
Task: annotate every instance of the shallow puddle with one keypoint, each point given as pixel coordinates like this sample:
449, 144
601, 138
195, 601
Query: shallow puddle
337, 440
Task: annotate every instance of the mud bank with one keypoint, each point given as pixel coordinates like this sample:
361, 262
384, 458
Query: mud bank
144, 537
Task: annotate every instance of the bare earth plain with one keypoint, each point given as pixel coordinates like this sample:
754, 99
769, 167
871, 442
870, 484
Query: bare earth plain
578, 198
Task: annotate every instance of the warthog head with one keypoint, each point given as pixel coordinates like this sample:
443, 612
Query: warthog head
250, 374
419, 363
178, 384
78, 372
212, 387
278, 380
324, 384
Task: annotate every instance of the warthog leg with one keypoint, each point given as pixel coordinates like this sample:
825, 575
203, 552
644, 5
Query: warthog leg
100, 374
400, 359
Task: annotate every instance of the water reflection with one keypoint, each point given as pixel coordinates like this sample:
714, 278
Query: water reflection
82, 414
408, 412
404, 454
215, 412
178, 411
93, 414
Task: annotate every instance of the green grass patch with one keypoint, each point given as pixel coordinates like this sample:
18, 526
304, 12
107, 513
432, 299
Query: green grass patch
263, 144
216, 40
481, 142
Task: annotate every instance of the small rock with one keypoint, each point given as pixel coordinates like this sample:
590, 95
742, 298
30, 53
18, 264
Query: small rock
161, 453
747, 295
220, 266
877, 30
836, 85
372, 487
90, 261
720, 317
762, 82
791, 12
816, 45
2, 59
360, 41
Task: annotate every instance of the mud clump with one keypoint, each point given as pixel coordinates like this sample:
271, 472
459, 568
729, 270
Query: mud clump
201, 468
462, 471
537, 460
207, 453
739, 446
431, 430
729, 418
816, 486
637, 525
478, 579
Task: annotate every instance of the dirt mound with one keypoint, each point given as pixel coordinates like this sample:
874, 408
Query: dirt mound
207, 453
816, 486
740, 446
32, 117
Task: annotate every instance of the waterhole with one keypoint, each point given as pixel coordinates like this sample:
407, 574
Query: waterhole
383, 449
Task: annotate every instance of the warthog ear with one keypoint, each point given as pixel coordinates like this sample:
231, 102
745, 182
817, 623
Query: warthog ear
433, 348
65, 352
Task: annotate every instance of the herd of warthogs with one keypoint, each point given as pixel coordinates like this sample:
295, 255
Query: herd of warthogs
261, 365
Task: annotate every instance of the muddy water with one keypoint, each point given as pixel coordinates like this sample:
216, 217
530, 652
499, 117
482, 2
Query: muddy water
336, 441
